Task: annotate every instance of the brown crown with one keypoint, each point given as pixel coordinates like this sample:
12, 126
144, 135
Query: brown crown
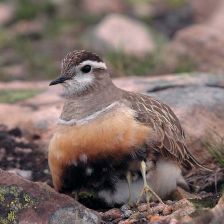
76, 57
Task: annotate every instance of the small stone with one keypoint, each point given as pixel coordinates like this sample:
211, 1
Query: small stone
126, 214
169, 202
167, 210
158, 209
154, 218
125, 207
46, 171
142, 207
129, 221
112, 214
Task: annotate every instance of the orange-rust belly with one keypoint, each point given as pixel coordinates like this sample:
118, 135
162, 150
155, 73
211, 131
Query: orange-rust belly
114, 134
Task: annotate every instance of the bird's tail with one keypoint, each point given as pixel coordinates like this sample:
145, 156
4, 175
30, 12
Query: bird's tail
194, 162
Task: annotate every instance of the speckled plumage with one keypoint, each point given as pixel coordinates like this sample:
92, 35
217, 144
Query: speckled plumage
114, 130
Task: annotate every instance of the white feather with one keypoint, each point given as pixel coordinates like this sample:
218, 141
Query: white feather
94, 64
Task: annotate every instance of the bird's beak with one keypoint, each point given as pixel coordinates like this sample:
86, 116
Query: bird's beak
58, 81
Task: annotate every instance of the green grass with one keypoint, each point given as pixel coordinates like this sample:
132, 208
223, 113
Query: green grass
29, 9
129, 65
185, 65
216, 148
12, 96
171, 3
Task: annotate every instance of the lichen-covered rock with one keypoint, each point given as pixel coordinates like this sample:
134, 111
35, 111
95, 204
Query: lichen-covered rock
22, 201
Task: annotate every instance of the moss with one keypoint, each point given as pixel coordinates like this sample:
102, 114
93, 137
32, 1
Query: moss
13, 201
12, 96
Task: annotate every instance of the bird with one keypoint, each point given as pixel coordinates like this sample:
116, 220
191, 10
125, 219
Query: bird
120, 145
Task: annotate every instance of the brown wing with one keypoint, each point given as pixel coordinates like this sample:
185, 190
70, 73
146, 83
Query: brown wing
171, 138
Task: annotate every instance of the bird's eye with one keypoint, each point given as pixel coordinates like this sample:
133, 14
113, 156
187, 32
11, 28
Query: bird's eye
86, 69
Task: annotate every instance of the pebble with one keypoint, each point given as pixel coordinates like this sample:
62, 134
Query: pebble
126, 214
125, 207
167, 210
142, 207
129, 221
112, 214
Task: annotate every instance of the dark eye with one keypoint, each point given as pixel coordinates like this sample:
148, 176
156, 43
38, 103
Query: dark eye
86, 69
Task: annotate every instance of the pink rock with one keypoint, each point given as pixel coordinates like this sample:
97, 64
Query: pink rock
29, 202
115, 32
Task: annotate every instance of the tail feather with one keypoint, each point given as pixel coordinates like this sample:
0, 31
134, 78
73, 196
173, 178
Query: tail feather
194, 162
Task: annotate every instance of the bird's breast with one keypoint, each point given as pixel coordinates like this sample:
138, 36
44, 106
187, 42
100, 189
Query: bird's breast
114, 133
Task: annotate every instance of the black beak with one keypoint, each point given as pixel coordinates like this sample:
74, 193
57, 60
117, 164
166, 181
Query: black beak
57, 81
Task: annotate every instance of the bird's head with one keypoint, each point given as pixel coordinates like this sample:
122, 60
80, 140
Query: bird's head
80, 71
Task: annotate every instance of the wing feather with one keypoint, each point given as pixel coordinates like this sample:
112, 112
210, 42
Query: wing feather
171, 139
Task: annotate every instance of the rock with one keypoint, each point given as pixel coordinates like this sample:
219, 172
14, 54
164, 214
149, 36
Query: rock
32, 29
126, 214
204, 9
102, 7
200, 110
200, 44
111, 214
216, 20
27, 174
22, 201
115, 32
6, 13
167, 210
143, 207
182, 208
198, 47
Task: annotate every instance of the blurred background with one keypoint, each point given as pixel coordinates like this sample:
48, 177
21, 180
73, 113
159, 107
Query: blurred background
170, 49
145, 37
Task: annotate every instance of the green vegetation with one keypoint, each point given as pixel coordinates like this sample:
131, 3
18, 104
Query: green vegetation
29, 9
185, 65
171, 3
12, 96
130, 65
216, 148
176, 3
124, 64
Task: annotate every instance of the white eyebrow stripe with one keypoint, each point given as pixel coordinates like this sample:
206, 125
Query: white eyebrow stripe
94, 64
